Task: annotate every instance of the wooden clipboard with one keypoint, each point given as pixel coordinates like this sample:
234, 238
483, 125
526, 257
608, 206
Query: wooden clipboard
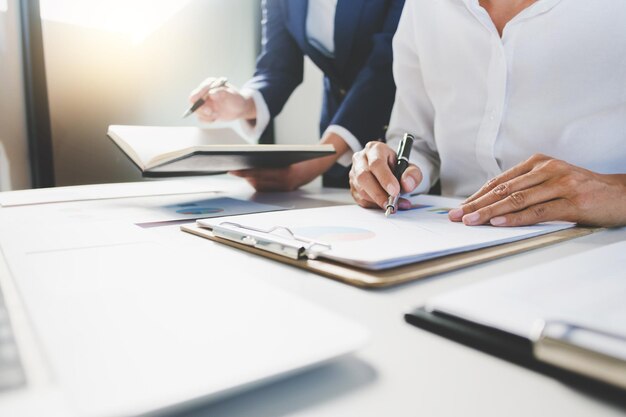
385, 278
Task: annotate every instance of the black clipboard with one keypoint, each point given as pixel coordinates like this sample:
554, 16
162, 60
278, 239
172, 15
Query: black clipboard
510, 347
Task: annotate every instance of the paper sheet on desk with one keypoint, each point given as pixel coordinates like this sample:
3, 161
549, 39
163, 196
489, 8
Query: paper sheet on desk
191, 185
191, 209
145, 211
367, 239
586, 289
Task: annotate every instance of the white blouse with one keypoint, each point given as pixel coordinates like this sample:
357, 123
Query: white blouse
555, 83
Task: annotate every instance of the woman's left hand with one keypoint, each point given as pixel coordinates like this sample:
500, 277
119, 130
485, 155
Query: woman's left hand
545, 189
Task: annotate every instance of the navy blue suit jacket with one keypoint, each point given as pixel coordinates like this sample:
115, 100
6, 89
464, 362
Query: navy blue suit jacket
359, 90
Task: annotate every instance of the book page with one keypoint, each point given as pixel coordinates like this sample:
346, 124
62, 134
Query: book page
151, 145
367, 239
171, 149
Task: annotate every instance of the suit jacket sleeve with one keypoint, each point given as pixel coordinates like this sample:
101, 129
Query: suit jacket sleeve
279, 68
367, 106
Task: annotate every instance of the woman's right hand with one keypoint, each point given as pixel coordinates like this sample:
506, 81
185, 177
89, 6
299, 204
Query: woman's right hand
372, 180
223, 103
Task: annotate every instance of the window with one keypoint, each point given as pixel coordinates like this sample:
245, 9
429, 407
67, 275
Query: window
135, 18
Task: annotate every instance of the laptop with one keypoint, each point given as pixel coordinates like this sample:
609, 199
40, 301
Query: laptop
131, 326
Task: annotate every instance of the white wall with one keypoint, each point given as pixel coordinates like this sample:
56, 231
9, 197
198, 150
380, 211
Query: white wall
299, 120
12, 120
97, 78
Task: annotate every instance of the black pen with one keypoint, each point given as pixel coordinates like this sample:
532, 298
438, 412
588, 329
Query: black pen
220, 82
402, 163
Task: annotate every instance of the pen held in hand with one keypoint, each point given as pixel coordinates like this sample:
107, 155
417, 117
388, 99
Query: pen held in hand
402, 163
220, 82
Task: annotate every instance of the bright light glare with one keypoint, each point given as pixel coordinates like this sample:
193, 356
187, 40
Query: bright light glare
3, 5
135, 18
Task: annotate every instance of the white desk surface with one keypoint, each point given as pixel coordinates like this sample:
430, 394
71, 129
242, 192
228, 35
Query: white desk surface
404, 371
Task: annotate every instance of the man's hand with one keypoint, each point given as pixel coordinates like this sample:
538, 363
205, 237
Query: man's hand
295, 175
545, 189
372, 180
224, 103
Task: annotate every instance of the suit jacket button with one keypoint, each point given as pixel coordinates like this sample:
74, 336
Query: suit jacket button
342, 92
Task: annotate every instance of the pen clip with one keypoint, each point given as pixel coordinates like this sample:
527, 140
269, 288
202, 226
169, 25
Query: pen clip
215, 84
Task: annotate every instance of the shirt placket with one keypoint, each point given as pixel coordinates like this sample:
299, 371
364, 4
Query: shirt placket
494, 109
497, 74
501, 54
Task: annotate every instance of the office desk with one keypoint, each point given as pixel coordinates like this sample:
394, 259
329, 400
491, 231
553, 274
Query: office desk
404, 371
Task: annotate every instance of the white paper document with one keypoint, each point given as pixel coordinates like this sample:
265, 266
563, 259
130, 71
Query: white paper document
189, 185
368, 239
587, 290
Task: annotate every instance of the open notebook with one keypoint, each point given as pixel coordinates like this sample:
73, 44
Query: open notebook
366, 238
170, 151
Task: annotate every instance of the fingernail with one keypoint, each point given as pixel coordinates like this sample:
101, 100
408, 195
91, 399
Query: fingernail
391, 190
471, 218
498, 221
409, 183
456, 213
404, 205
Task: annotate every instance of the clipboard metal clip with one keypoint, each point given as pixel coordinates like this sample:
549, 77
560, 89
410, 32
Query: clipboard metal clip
279, 240
595, 353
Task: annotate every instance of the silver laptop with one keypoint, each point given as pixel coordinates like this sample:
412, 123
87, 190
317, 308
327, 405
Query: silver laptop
128, 326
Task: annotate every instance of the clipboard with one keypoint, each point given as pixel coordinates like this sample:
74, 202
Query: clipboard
303, 254
549, 352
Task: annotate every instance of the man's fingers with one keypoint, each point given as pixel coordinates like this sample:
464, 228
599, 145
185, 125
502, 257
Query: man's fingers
202, 89
263, 185
218, 96
260, 184
262, 175
198, 93
559, 209
206, 113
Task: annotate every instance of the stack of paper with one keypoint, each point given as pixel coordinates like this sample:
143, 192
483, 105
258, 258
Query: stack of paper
367, 239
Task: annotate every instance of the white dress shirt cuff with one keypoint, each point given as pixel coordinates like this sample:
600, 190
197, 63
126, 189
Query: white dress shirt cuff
355, 146
255, 128
427, 173
424, 164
